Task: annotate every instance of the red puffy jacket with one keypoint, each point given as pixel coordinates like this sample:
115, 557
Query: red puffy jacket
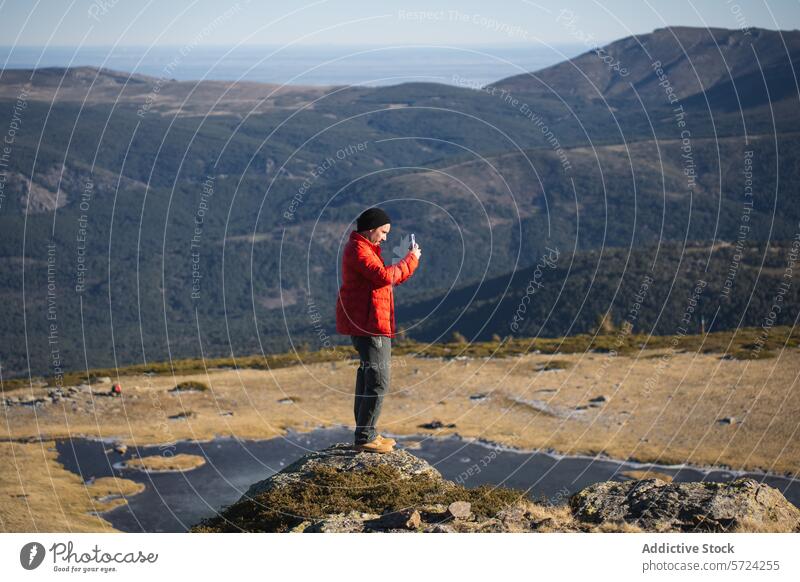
365, 305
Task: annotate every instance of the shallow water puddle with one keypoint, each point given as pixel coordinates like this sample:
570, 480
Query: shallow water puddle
174, 501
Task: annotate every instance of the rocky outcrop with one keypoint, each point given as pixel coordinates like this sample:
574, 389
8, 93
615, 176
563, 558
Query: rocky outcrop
654, 505
344, 459
342, 490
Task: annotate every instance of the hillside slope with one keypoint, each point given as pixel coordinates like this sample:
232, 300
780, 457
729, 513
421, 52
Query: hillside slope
109, 174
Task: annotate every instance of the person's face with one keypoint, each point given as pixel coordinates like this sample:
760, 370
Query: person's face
377, 235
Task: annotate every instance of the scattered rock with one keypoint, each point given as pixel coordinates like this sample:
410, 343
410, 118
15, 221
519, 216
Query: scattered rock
440, 528
479, 397
36, 402
287, 400
599, 399
552, 366
515, 518
459, 510
406, 519
727, 420
706, 506
182, 415
436, 424
103, 380
190, 386
226, 413
121, 449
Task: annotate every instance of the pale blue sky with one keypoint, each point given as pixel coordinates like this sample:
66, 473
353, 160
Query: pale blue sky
373, 22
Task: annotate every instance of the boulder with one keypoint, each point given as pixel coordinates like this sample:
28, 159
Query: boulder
654, 505
437, 424
459, 510
343, 458
340, 489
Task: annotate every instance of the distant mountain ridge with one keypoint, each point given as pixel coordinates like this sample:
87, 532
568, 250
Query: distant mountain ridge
478, 176
694, 60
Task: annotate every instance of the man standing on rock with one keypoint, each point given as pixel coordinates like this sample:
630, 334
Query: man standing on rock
365, 311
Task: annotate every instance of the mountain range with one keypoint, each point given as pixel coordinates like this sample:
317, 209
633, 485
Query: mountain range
145, 218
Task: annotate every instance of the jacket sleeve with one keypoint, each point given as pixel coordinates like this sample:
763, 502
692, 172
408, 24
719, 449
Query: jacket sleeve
371, 266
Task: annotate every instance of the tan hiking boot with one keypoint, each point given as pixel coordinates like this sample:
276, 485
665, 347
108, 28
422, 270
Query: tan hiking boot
375, 446
387, 440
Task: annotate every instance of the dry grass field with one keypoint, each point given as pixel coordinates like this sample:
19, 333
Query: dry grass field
660, 405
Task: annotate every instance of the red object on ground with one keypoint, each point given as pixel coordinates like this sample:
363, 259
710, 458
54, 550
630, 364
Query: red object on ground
365, 305
116, 389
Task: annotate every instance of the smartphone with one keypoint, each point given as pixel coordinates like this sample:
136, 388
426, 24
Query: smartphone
413, 240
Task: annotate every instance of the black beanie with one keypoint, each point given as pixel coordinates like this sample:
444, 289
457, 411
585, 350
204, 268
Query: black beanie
372, 218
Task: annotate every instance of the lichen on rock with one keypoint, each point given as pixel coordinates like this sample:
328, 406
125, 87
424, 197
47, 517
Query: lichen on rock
654, 505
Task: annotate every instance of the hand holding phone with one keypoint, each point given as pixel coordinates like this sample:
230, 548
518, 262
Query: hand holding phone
414, 248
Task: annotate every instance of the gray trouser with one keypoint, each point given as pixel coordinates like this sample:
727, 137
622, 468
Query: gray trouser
372, 383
